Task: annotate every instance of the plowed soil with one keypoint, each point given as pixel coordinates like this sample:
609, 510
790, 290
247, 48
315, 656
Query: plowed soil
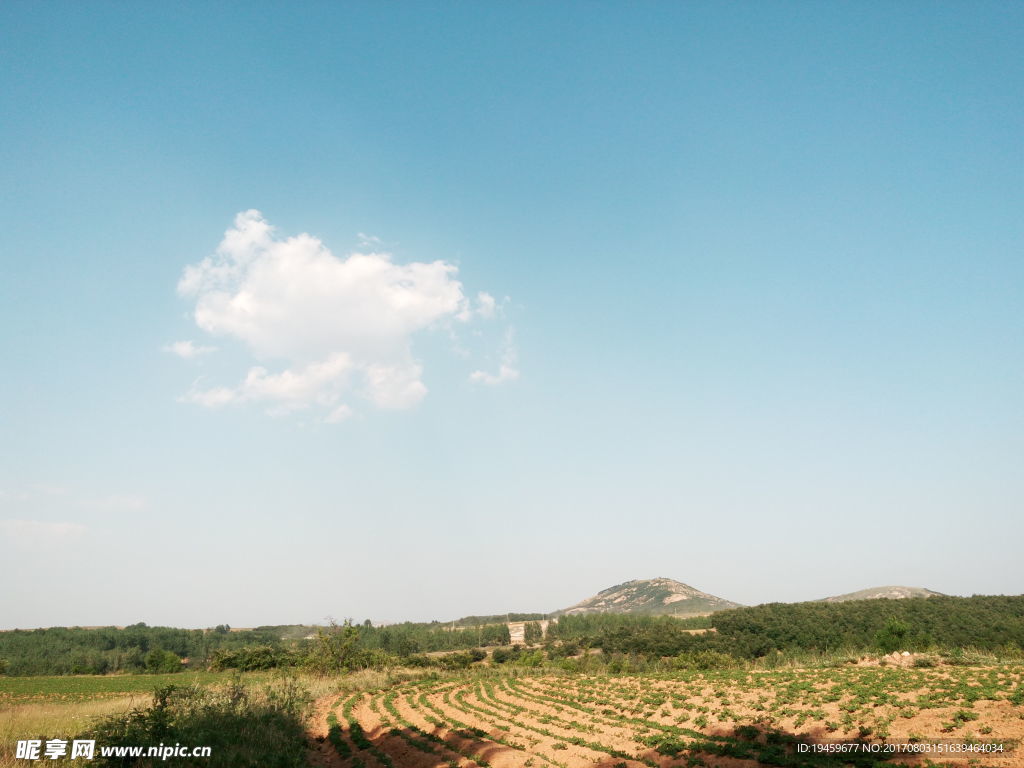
947, 716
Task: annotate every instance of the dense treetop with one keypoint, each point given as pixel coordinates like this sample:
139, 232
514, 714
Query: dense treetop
987, 623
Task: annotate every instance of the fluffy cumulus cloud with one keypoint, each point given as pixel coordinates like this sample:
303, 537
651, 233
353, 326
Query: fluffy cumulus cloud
323, 329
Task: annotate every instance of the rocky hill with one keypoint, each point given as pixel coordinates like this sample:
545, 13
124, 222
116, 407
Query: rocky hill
882, 593
651, 596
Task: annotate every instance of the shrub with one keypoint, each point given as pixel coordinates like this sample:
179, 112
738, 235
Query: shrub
455, 661
666, 745
893, 637
245, 728
502, 655
746, 733
159, 661
251, 658
534, 659
706, 660
337, 649
569, 665
562, 650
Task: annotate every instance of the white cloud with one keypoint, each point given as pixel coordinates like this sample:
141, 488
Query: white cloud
188, 349
486, 305
294, 389
211, 398
394, 386
318, 383
333, 327
508, 369
505, 373
36, 529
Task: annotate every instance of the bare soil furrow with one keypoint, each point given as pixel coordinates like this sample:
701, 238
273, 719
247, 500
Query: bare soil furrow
723, 719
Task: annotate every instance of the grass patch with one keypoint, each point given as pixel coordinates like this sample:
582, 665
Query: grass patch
245, 726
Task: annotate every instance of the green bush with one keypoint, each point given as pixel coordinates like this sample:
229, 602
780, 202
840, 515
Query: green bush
159, 661
666, 745
563, 650
894, 637
534, 659
746, 733
245, 728
706, 660
337, 648
251, 658
455, 661
502, 655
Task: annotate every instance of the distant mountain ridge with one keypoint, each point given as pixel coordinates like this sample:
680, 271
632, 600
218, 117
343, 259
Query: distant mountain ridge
659, 596
882, 593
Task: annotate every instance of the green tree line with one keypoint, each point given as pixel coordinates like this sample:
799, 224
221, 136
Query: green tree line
985, 623
97, 651
140, 648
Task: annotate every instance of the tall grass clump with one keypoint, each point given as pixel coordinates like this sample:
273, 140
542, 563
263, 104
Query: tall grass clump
244, 726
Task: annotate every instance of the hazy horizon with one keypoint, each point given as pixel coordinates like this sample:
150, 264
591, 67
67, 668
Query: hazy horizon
419, 311
378, 620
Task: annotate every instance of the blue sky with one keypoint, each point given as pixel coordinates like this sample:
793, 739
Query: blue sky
724, 292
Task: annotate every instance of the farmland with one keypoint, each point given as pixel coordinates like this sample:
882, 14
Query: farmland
248, 719
712, 718
70, 688
64, 706
746, 687
515, 716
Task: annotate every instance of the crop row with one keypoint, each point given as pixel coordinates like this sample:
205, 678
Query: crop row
705, 719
